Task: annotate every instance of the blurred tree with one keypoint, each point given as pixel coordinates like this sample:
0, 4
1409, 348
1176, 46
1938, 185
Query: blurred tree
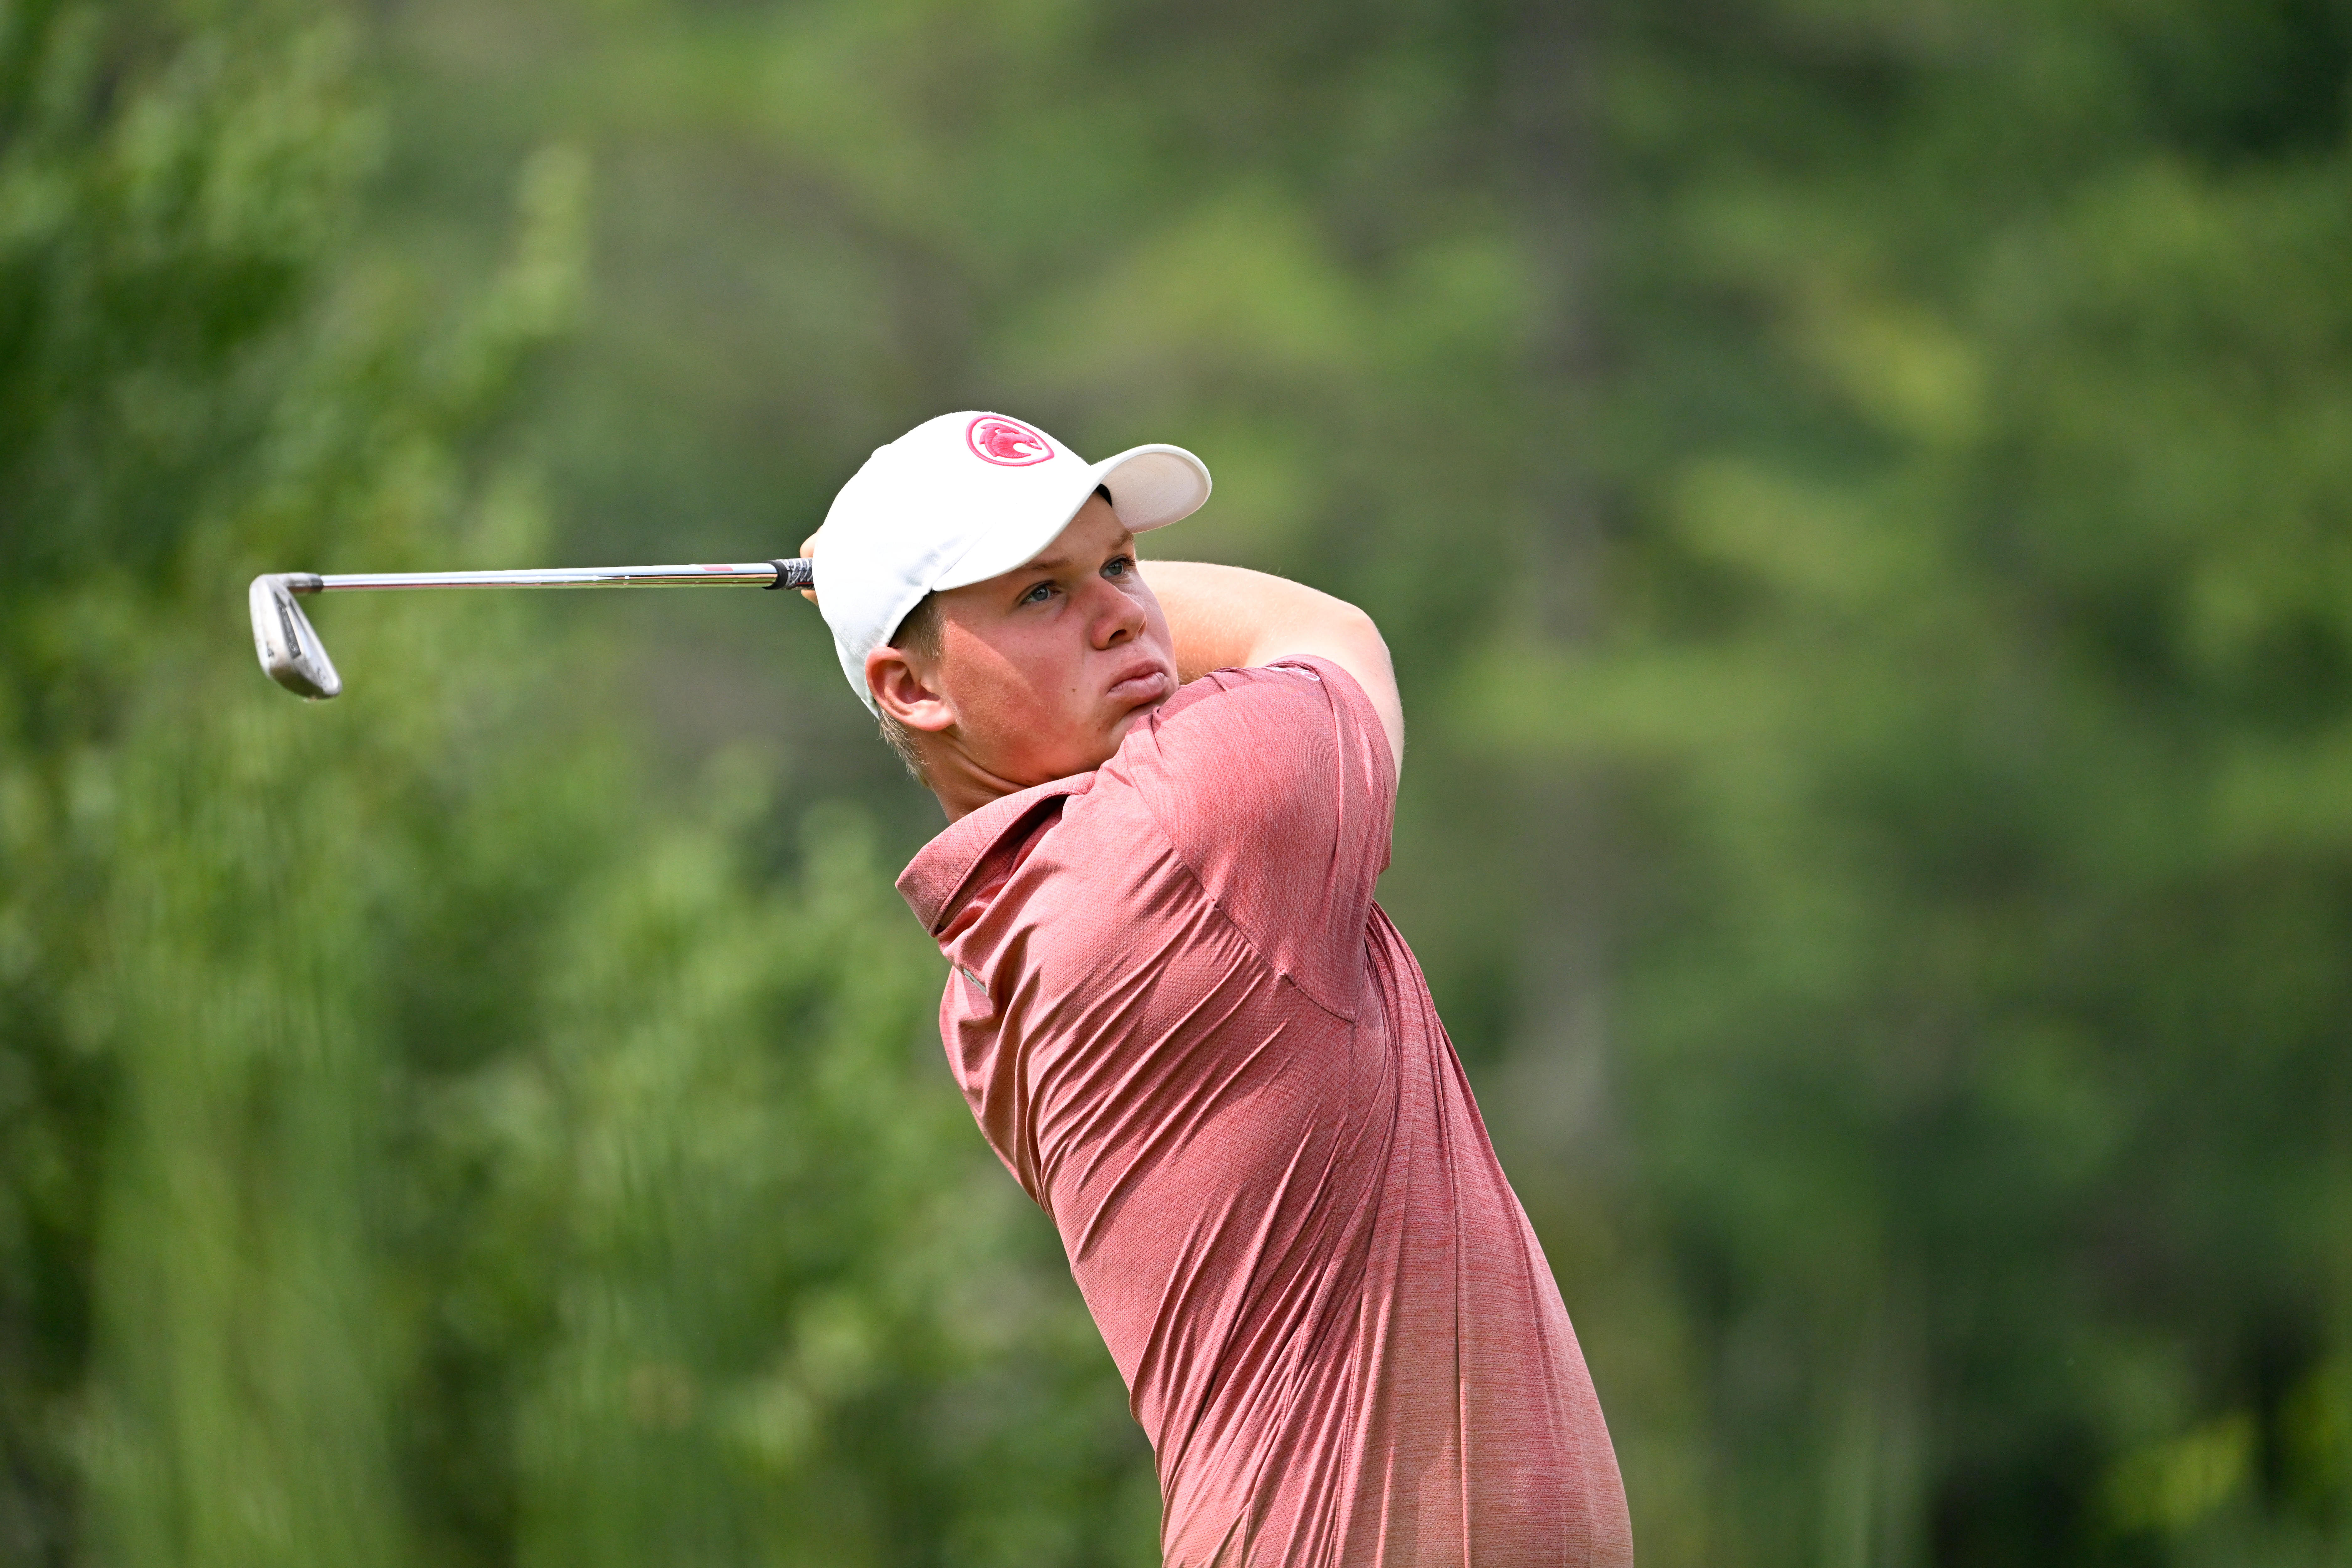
167, 191
1974, 432
423, 1140
198, 383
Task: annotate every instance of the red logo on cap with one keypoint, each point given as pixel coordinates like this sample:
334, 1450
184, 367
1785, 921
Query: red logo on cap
996, 439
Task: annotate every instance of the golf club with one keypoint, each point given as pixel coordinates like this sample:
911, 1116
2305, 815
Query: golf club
293, 655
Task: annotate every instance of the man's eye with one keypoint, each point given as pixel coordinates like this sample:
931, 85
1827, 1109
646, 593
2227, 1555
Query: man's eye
1038, 594
1119, 566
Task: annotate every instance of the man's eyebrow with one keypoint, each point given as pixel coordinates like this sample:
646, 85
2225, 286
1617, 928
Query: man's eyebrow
1057, 562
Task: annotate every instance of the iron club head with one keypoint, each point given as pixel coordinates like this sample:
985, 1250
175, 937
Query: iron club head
290, 651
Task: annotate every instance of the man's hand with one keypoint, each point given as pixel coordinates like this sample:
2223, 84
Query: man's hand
1225, 617
808, 553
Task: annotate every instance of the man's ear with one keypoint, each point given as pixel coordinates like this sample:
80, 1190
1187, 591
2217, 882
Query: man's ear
905, 693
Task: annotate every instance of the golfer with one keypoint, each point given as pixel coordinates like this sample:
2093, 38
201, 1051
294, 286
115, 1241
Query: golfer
1185, 1027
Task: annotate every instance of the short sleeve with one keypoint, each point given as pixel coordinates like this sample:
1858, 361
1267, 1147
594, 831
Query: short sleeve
1275, 788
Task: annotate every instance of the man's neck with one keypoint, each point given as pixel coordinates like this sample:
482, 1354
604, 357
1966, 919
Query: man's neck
961, 785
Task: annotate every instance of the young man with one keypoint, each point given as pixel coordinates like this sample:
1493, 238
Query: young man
1185, 1027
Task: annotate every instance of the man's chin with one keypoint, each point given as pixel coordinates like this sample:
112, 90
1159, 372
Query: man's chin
1133, 717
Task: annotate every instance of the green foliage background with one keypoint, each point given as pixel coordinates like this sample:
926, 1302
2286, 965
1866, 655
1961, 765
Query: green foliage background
1862, 498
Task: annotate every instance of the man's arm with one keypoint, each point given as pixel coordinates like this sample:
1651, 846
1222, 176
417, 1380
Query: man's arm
1225, 617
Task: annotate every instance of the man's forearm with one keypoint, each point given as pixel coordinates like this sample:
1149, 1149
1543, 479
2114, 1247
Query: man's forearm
1227, 617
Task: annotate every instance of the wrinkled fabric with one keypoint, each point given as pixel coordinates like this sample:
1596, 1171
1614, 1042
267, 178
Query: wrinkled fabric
1194, 1037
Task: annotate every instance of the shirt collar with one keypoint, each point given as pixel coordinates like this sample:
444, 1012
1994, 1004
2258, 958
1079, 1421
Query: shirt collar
946, 866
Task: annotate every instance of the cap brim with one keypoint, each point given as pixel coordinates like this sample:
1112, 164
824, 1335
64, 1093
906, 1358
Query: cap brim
1150, 487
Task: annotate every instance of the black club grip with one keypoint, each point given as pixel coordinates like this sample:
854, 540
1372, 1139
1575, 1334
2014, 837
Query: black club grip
793, 572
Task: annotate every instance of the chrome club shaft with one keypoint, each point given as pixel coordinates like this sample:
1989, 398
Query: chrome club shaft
292, 655
735, 574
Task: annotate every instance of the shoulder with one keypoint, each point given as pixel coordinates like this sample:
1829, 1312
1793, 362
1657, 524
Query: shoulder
1284, 681
1267, 782
1245, 740
1273, 789
1240, 707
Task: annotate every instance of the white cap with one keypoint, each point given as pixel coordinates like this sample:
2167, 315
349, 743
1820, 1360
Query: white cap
964, 498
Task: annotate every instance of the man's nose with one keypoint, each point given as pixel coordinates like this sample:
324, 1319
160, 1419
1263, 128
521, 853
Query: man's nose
1118, 620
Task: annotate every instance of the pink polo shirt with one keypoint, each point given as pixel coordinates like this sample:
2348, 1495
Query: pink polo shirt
1196, 1041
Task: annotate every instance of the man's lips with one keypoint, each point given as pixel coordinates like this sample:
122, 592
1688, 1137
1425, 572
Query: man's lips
1145, 683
